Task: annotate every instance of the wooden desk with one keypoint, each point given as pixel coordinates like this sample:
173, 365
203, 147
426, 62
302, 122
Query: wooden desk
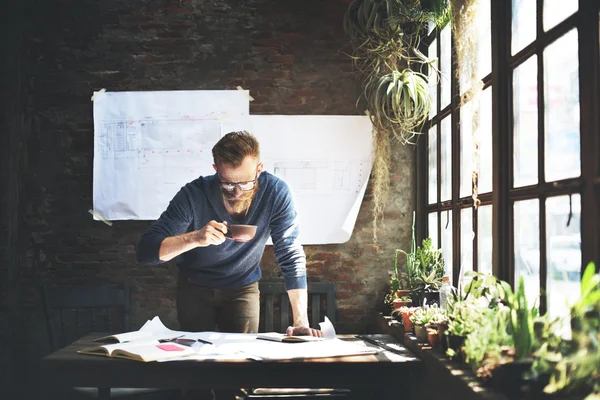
363, 374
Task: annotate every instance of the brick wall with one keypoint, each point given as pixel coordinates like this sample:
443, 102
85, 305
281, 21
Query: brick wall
289, 54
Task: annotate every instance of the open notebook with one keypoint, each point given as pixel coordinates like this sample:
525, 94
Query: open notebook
145, 351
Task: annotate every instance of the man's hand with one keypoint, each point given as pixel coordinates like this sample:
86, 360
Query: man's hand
303, 331
213, 233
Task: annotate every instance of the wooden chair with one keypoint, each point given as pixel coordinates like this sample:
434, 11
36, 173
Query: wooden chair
73, 311
321, 297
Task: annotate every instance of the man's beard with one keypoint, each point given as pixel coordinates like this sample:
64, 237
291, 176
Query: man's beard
242, 203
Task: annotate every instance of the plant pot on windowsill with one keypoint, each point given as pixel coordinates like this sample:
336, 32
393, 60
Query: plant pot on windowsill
397, 303
421, 334
455, 343
508, 378
432, 337
408, 326
429, 298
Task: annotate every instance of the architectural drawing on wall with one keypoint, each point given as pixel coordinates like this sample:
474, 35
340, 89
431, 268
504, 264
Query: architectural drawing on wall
341, 178
301, 174
158, 141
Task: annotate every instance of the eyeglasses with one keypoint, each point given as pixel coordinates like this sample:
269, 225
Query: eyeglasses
243, 186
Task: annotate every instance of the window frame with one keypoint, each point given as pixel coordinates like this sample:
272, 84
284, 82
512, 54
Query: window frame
503, 196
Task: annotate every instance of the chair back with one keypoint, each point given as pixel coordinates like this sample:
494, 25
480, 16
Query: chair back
74, 311
321, 303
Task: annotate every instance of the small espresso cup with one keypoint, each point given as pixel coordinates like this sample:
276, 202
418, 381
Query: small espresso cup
242, 233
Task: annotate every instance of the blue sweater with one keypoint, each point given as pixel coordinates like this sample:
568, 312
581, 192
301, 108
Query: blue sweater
230, 264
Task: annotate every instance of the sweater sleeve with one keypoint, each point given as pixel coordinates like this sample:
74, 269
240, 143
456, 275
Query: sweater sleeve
284, 233
174, 221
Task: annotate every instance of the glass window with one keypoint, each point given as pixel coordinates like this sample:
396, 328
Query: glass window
484, 242
525, 128
556, 11
563, 245
432, 165
446, 161
446, 65
484, 48
433, 229
466, 240
485, 142
467, 158
447, 241
527, 246
561, 87
433, 77
481, 158
523, 24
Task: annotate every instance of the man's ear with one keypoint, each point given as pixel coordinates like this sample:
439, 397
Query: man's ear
215, 167
260, 167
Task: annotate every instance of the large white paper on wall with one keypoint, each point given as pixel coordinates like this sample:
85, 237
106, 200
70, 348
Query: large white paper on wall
147, 145
326, 160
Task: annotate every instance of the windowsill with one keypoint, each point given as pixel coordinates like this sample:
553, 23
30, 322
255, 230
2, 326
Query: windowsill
455, 378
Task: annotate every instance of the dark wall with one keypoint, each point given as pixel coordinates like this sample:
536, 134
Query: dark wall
290, 54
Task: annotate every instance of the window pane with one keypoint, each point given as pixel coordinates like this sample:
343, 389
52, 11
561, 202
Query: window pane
484, 239
484, 28
433, 78
446, 65
556, 11
446, 162
447, 241
432, 165
468, 159
466, 150
485, 141
433, 229
561, 86
564, 253
523, 24
527, 247
484, 48
466, 240
525, 123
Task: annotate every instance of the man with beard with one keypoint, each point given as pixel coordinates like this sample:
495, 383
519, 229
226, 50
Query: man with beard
218, 278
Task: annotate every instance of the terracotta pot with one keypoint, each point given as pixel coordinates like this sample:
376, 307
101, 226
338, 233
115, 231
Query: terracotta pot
397, 303
408, 327
441, 328
433, 337
402, 292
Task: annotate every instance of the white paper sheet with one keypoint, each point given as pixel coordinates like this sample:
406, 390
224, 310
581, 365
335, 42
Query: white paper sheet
326, 160
149, 144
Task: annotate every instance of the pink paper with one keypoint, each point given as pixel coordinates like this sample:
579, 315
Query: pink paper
169, 347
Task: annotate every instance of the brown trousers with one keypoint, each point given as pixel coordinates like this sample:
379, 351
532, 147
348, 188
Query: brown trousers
201, 308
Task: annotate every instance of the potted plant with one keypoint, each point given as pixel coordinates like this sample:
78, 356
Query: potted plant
572, 367
419, 318
406, 313
429, 272
404, 301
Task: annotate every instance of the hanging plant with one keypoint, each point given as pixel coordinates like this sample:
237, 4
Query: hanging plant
385, 36
399, 102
